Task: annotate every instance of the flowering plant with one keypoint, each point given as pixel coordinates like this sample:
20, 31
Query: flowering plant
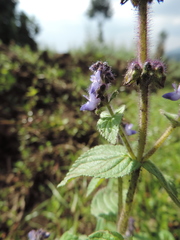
118, 158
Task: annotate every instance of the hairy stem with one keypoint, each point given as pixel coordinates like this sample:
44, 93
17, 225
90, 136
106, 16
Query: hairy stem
143, 115
143, 92
124, 217
120, 195
159, 142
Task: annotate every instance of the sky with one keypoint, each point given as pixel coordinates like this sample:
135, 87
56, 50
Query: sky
64, 24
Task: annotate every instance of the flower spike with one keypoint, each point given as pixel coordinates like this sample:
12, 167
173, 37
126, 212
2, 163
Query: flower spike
101, 80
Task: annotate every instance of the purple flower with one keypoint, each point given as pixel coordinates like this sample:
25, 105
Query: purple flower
96, 82
39, 234
128, 129
173, 96
101, 80
91, 104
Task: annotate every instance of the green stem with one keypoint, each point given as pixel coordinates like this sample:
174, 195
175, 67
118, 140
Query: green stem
123, 136
143, 38
159, 142
143, 120
120, 195
143, 94
124, 217
143, 115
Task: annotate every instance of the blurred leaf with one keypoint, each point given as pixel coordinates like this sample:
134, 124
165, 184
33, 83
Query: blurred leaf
165, 235
94, 183
105, 204
103, 161
31, 92
68, 236
108, 125
168, 186
105, 235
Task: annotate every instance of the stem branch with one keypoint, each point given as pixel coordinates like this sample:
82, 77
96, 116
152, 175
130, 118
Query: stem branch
159, 142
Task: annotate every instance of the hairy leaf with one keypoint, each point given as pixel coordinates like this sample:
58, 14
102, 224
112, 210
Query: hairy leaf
105, 235
105, 204
168, 186
104, 161
94, 183
108, 125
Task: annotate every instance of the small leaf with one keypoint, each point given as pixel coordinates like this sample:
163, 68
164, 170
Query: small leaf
105, 235
108, 125
105, 204
94, 183
173, 118
104, 161
68, 236
168, 186
114, 95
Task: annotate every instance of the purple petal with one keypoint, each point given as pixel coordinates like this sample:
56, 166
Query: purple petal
91, 104
128, 129
173, 96
32, 235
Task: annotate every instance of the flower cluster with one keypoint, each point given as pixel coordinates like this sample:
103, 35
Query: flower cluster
152, 72
174, 96
39, 234
101, 80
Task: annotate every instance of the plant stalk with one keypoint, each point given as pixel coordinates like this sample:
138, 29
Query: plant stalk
124, 217
123, 136
143, 115
159, 142
143, 92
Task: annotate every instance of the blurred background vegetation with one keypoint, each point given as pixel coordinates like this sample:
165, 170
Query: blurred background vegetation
42, 132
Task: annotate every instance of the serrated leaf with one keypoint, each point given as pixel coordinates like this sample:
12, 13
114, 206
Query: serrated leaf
103, 161
105, 235
68, 236
168, 186
105, 204
94, 183
108, 126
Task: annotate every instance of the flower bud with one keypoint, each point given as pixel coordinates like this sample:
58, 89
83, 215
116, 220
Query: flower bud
133, 74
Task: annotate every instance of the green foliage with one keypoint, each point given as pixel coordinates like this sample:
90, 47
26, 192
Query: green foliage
94, 183
168, 186
108, 125
105, 205
105, 235
103, 161
69, 236
43, 132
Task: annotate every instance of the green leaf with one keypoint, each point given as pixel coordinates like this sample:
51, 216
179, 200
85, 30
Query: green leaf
105, 204
168, 186
165, 234
114, 95
105, 235
94, 183
104, 161
108, 125
68, 236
